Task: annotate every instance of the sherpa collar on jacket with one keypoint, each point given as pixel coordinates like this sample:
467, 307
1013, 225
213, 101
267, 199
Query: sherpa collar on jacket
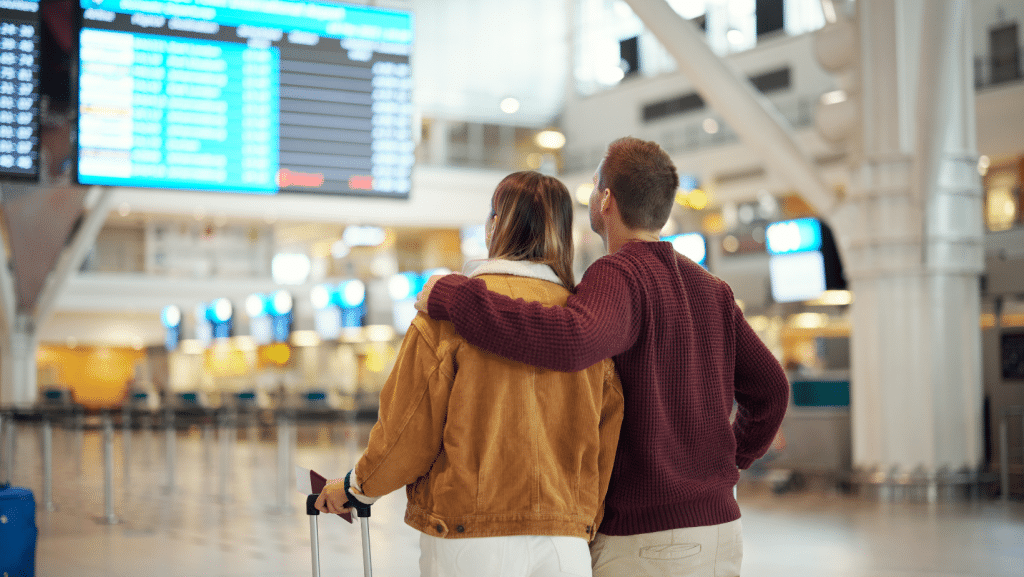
523, 268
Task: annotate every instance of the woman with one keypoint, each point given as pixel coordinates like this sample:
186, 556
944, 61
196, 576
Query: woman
505, 465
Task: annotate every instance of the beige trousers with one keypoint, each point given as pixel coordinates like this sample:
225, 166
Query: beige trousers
714, 551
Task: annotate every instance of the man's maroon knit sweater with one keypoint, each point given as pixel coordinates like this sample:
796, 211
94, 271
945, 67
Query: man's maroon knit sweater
684, 353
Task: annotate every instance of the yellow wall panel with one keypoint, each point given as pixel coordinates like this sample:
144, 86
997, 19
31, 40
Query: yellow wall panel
98, 377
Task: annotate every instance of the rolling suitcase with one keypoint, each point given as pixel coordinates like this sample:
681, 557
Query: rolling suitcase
314, 535
18, 532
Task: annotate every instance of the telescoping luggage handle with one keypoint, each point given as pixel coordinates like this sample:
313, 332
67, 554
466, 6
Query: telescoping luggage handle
314, 534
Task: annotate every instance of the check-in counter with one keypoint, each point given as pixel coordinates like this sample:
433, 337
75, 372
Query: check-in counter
817, 425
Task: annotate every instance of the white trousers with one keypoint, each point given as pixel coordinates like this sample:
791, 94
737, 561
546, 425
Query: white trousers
714, 551
513, 556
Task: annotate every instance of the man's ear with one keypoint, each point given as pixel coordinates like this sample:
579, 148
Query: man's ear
607, 200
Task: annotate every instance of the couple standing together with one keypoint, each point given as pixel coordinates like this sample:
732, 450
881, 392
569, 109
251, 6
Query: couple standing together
529, 417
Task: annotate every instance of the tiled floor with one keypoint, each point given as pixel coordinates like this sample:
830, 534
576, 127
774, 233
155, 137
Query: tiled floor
194, 530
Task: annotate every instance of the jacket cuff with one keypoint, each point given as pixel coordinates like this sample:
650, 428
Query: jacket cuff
442, 294
355, 490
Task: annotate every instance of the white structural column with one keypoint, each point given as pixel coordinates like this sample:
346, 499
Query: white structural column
18, 367
914, 250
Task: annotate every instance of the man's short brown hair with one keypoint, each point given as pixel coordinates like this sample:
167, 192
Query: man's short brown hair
643, 180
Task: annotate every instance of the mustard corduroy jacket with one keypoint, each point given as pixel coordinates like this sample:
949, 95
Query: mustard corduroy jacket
489, 447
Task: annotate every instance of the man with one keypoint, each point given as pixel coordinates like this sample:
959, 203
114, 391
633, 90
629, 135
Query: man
684, 353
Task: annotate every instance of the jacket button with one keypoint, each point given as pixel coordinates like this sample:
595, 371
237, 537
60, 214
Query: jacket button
440, 529
589, 528
460, 529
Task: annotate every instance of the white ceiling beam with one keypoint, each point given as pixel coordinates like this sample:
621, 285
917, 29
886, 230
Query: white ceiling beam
74, 254
754, 118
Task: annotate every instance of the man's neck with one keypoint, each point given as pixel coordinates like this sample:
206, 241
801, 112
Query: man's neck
619, 238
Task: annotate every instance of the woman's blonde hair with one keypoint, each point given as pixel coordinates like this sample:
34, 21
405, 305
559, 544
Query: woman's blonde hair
534, 222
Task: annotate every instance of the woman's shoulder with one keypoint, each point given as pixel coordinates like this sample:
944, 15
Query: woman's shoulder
527, 288
433, 333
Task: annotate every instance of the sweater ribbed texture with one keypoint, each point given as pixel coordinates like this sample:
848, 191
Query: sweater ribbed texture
684, 353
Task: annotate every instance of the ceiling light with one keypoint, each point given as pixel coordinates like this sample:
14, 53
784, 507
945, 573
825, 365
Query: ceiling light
255, 305
583, 192
610, 75
222, 310
834, 97
171, 316
983, 163
697, 199
509, 106
550, 139
833, 298
290, 268
320, 297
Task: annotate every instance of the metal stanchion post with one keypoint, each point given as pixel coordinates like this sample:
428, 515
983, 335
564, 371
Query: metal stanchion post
207, 433
47, 463
146, 428
253, 435
1004, 460
79, 439
284, 443
12, 446
108, 469
224, 434
169, 449
126, 444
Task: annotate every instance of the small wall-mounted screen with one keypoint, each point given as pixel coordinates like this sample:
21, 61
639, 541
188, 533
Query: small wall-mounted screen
19, 89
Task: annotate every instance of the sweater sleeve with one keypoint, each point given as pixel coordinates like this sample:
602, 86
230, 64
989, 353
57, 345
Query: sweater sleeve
596, 323
761, 392
407, 436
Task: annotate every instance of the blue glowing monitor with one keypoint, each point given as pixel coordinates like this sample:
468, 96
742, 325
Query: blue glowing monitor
691, 245
259, 97
788, 236
796, 276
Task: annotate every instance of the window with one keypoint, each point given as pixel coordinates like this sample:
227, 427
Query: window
769, 17
611, 42
1005, 53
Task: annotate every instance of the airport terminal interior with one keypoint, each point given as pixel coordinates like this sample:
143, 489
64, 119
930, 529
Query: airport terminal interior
216, 217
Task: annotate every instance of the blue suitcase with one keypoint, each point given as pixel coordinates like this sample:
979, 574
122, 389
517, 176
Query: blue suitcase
17, 532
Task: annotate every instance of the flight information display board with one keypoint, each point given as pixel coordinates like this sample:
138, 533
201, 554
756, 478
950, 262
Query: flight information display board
258, 96
19, 89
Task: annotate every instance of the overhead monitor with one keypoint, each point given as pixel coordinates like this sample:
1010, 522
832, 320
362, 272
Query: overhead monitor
797, 276
691, 245
257, 96
19, 89
804, 261
790, 236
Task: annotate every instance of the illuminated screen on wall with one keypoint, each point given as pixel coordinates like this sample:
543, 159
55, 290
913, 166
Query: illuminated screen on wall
258, 96
691, 245
804, 261
19, 89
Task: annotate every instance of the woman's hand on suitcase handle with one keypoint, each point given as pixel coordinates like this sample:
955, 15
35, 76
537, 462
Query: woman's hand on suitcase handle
333, 499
